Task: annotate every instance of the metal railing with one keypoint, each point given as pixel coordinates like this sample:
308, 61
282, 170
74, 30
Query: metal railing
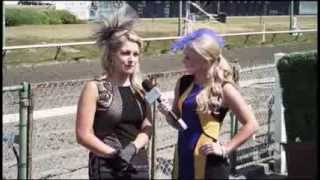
148, 40
59, 45
25, 130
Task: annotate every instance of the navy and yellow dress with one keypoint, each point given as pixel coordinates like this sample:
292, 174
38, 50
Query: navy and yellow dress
202, 128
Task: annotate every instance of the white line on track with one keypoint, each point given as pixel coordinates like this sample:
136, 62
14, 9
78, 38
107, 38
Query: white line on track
66, 110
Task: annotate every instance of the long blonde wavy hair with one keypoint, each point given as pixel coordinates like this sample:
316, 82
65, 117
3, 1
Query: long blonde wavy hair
219, 71
113, 33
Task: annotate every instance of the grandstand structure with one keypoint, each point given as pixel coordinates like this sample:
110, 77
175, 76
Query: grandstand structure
156, 9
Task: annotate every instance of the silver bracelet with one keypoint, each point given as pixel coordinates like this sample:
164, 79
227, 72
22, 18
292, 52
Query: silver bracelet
223, 150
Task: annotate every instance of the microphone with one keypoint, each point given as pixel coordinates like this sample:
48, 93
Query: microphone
153, 94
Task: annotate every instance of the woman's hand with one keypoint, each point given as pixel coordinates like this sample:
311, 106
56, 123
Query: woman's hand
164, 106
112, 153
213, 148
128, 152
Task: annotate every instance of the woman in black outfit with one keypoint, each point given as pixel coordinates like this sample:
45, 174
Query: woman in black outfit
113, 118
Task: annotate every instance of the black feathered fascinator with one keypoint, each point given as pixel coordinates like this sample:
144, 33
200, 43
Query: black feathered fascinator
116, 24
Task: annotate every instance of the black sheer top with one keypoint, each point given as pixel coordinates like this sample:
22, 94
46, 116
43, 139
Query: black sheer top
119, 114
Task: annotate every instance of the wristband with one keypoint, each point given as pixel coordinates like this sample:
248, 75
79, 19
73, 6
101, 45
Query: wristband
224, 151
135, 148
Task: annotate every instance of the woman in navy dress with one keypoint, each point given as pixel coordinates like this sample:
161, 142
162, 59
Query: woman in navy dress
202, 98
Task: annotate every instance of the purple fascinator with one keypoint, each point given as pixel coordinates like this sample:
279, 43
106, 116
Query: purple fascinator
180, 43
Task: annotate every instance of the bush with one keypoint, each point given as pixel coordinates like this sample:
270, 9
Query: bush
22, 16
54, 17
66, 17
298, 79
16, 17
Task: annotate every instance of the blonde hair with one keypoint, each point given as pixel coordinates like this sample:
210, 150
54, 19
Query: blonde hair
111, 36
219, 70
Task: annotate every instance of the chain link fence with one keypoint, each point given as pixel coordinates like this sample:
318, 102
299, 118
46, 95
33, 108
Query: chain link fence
10, 144
16, 137
60, 98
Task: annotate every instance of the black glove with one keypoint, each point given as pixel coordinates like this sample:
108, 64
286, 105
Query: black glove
128, 152
114, 143
122, 163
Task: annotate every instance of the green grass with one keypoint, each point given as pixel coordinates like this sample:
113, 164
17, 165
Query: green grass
38, 16
157, 27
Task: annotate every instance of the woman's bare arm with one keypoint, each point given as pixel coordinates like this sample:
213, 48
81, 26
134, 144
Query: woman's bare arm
174, 108
233, 99
84, 121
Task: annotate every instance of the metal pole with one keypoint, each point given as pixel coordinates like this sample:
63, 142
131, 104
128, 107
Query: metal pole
22, 164
186, 22
291, 14
153, 140
264, 34
3, 25
265, 4
233, 157
12, 88
261, 14
30, 130
234, 121
280, 125
218, 7
187, 8
180, 19
153, 147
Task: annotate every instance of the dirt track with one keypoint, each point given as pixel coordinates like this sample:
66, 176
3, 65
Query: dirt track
88, 69
55, 151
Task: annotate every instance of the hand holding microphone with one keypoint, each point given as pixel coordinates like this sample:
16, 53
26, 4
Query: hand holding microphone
153, 94
164, 106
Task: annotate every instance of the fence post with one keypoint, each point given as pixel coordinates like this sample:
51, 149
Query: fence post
153, 139
233, 121
233, 154
30, 130
273, 36
264, 33
180, 19
147, 46
3, 25
246, 40
280, 129
57, 53
24, 103
270, 114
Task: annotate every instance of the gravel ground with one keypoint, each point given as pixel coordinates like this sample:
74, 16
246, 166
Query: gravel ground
58, 71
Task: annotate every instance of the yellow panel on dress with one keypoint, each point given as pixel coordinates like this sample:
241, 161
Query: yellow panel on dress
199, 160
210, 125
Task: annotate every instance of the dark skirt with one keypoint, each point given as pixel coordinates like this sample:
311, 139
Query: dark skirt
217, 167
107, 168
